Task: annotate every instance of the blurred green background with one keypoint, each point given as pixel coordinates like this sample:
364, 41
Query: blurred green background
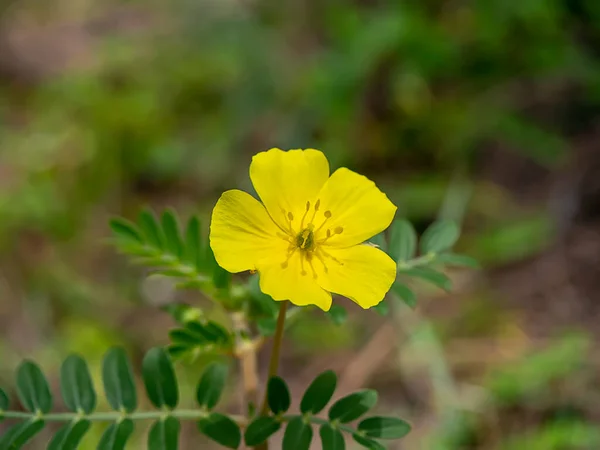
481, 111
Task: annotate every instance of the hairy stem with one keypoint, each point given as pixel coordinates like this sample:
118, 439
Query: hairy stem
274, 361
185, 414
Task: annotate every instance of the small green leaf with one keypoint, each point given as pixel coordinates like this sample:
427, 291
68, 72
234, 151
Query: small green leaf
266, 326
170, 227
337, 314
432, 276
331, 438
18, 435
211, 385
164, 434
384, 427
181, 336
278, 395
32, 388
126, 231
440, 236
260, 429
119, 385
4, 401
69, 436
319, 393
150, 229
298, 435
382, 308
116, 436
159, 379
209, 331
405, 294
222, 430
403, 241
367, 443
353, 406
193, 244
453, 259
76, 385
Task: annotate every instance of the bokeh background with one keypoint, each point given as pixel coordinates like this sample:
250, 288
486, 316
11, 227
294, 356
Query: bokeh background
482, 111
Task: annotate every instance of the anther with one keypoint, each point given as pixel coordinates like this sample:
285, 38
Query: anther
284, 265
290, 216
317, 204
327, 214
338, 230
307, 206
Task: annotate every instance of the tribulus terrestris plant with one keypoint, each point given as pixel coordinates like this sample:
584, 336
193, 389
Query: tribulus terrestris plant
311, 234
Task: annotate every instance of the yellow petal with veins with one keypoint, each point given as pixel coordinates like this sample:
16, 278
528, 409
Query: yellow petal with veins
286, 282
285, 181
362, 273
359, 210
242, 234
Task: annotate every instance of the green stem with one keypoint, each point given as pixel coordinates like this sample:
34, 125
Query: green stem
185, 414
274, 362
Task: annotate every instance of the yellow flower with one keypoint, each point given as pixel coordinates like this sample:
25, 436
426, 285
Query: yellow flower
306, 238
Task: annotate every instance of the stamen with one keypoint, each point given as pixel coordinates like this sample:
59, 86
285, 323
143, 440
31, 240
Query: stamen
311, 266
327, 217
291, 252
338, 230
312, 219
332, 257
285, 237
322, 260
302, 271
304, 216
290, 216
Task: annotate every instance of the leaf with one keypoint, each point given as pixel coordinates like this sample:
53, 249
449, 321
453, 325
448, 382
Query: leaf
170, 227
403, 241
337, 314
405, 294
4, 401
193, 245
119, 385
298, 435
209, 331
453, 259
221, 278
115, 437
76, 385
440, 236
159, 379
150, 229
211, 385
384, 427
432, 276
126, 231
181, 336
319, 393
278, 395
164, 434
32, 388
266, 326
18, 435
382, 308
353, 406
331, 438
368, 443
69, 436
260, 429
221, 429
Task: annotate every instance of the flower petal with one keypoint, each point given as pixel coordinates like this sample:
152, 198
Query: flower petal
242, 233
288, 284
285, 181
357, 207
362, 273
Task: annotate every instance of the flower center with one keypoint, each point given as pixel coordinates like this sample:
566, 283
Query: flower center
309, 239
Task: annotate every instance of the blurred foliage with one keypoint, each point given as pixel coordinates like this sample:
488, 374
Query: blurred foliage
411, 91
